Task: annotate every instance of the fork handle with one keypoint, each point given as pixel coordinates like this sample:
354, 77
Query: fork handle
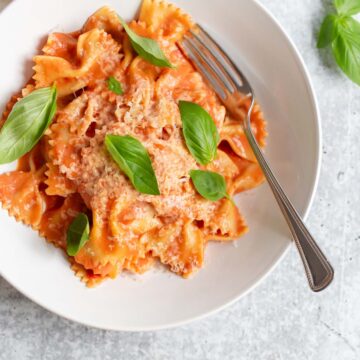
318, 270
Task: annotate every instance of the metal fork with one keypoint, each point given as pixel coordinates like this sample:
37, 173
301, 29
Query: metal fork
231, 86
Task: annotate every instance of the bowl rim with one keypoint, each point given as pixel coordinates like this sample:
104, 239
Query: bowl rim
309, 201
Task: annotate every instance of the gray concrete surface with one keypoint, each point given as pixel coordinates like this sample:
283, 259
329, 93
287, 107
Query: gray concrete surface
281, 319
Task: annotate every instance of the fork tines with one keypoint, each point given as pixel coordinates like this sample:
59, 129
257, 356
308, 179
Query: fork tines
212, 62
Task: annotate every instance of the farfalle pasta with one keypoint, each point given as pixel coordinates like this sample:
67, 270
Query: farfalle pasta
69, 171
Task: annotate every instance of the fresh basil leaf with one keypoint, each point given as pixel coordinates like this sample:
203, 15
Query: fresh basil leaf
133, 159
347, 7
346, 48
77, 234
147, 48
327, 32
210, 185
349, 23
114, 86
200, 132
26, 123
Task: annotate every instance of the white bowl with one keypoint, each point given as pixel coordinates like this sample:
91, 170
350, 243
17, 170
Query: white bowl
158, 299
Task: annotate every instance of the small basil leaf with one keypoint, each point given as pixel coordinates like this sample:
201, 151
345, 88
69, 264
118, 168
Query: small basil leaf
147, 48
77, 234
346, 48
114, 86
349, 23
133, 159
327, 31
210, 185
347, 7
200, 132
26, 123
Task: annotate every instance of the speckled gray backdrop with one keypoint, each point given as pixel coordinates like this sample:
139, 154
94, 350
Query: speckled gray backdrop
281, 319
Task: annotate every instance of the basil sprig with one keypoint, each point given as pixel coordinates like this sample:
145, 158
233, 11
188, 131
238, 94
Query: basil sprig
147, 48
342, 32
200, 132
114, 86
210, 185
77, 234
133, 159
348, 7
26, 123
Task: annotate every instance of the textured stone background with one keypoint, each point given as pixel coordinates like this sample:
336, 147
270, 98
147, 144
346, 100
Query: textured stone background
281, 319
